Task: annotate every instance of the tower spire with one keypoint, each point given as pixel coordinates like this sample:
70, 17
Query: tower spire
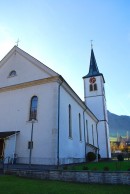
95, 100
91, 44
93, 68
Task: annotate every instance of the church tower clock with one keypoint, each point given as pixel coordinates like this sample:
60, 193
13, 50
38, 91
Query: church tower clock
95, 100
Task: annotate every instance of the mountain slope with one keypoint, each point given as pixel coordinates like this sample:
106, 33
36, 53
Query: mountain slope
118, 125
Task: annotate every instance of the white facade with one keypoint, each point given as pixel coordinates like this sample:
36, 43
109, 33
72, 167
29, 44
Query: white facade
52, 143
73, 149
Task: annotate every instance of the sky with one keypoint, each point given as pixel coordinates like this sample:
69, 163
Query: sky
59, 33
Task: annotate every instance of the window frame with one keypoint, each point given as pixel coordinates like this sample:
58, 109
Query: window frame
12, 73
95, 87
80, 128
33, 109
70, 121
87, 131
93, 134
91, 87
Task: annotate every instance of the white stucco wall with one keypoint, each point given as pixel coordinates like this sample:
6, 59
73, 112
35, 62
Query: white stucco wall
27, 69
14, 111
16, 106
9, 149
96, 101
72, 148
99, 91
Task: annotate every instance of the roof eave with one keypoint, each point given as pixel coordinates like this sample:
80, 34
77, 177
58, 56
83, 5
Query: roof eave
94, 75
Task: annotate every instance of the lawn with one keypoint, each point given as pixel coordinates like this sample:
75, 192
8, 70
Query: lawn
101, 166
16, 185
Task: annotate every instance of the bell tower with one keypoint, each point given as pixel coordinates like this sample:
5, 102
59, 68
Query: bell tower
95, 100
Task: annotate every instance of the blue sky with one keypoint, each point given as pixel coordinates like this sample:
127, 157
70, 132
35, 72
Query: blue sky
58, 33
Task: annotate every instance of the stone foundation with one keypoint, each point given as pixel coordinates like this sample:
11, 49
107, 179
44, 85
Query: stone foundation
76, 176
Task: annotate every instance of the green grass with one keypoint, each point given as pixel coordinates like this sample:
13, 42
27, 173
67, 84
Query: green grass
16, 185
112, 166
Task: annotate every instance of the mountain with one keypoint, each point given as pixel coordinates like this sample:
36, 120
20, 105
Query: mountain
118, 125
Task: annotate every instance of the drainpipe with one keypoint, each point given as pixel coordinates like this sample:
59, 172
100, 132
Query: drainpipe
58, 120
84, 132
14, 146
97, 140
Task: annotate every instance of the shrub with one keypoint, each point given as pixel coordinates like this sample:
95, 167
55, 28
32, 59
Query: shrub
91, 156
65, 167
106, 168
95, 168
120, 157
99, 156
85, 168
73, 168
118, 166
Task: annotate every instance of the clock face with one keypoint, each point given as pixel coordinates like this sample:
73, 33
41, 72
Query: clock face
92, 80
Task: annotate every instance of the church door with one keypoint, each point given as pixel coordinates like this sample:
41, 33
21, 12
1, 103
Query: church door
1, 147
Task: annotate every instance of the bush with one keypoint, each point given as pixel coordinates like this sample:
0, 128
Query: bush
106, 168
120, 157
65, 167
85, 168
73, 168
99, 156
95, 168
91, 156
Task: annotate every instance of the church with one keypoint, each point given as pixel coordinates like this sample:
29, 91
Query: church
42, 119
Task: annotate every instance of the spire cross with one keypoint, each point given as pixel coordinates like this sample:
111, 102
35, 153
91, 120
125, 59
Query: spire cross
91, 44
17, 42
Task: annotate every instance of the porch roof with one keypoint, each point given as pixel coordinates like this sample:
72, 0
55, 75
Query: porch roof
92, 146
6, 134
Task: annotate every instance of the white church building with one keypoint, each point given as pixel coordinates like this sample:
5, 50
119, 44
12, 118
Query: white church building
42, 119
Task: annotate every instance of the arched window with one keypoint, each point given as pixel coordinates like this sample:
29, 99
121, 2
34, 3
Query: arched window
70, 122
12, 73
80, 130
95, 86
93, 134
87, 131
33, 108
91, 87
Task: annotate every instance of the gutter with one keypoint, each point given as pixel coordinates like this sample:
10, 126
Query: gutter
97, 139
84, 132
58, 120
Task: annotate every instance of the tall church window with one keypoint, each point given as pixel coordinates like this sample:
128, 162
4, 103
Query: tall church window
33, 108
87, 131
91, 87
93, 134
80, 132
70, 122
95, 86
